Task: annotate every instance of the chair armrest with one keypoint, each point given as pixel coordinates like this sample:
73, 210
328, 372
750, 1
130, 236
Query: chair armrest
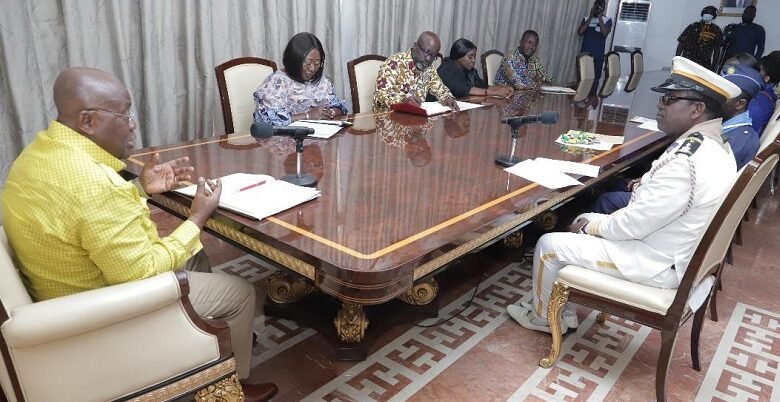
53, 319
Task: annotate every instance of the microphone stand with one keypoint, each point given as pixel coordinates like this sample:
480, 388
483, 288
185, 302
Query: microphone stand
300, 179
509, 160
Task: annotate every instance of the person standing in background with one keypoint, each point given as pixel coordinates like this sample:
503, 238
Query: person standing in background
594, 30
746, 37
700, 39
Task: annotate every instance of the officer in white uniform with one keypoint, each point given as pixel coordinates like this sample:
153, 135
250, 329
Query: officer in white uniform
650, 241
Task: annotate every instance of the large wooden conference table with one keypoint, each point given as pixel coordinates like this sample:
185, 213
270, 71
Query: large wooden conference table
403, 196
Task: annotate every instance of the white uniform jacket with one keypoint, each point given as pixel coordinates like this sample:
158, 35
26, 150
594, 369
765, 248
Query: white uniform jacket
671, 207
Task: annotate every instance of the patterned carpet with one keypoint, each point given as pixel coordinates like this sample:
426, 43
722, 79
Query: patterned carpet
610, 361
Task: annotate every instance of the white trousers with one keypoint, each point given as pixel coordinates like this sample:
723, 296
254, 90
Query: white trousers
225, 297
557, 250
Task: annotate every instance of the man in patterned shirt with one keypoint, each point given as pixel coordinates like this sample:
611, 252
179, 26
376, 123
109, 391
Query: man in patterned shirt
75, 224
700, 39
522, 69
408, 76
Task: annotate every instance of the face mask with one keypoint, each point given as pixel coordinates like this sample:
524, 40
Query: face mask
707, 17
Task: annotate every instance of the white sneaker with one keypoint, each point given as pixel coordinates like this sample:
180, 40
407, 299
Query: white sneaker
526, 318
570, 317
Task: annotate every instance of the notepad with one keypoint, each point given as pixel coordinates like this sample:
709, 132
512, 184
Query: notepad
244, 194
321, 130
557, 90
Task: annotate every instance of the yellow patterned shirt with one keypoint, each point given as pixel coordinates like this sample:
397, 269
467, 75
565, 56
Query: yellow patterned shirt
398, 77
75, 224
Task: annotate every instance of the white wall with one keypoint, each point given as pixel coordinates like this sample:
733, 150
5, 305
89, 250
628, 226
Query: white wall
668, 18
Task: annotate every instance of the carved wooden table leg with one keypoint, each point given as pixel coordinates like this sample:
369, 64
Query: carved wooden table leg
284, 288
422, 293
558, 298
514, 240
602, 317
225, 390
351, 322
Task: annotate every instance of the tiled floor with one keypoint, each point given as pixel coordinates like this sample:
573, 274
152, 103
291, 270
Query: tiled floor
482, 355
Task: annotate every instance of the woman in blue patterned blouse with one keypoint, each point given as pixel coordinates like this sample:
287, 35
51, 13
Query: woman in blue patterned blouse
299, 91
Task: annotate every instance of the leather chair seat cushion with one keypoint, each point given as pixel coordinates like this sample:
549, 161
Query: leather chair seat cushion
648, 298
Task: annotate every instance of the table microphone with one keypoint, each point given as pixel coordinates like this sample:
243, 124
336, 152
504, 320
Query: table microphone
262, 129
544, 118
515, 123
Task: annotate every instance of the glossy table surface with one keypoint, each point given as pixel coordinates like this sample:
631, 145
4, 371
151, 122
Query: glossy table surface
403, 195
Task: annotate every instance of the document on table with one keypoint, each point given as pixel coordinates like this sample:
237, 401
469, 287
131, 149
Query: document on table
321, 130
650, 125
467, 105
257, 195
557, 90
582, 169
533, 171
645, 123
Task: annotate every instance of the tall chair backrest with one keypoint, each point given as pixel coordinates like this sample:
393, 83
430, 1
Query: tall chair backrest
12, 294
637, 62
237, 81
609, 85
585, 67
776, 113
769, 135
362, 80
633, 82
613, 64
734, 206
490, 62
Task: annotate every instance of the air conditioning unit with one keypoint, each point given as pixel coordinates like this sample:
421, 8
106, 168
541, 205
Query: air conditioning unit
630, 30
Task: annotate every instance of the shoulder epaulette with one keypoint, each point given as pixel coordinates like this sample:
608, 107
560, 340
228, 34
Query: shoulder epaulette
690, 145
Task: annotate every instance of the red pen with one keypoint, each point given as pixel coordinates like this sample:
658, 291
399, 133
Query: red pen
260, 183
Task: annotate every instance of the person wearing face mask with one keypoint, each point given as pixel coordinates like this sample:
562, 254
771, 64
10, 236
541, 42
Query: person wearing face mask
522, 69
594, 30
746, 37
299, 91
700, 39
407, 77
459, 75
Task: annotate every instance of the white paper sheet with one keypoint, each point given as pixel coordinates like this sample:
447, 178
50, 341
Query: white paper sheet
582, 169
557, 90
468, 105
610, 139
640, 119
533, 171
650, 125
320, 130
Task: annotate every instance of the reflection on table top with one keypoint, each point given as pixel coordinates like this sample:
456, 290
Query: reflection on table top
398, 189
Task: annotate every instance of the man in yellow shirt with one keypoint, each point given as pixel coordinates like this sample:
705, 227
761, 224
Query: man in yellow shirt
76, 225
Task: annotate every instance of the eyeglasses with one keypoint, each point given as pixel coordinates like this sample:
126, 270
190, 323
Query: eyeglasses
669, 99
127, 116
316, 64
427, 53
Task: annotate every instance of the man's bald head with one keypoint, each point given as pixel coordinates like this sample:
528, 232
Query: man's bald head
430, 39
97, 105
80, 88
427, 50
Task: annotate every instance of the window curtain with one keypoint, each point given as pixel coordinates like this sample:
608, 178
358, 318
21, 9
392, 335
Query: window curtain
165, 51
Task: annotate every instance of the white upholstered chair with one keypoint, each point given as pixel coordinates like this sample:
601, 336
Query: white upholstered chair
237, 81
608, 87
490, 62
140, 340
362, 81
585, 67
612, 64
663, 309
637, 62
775, 114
